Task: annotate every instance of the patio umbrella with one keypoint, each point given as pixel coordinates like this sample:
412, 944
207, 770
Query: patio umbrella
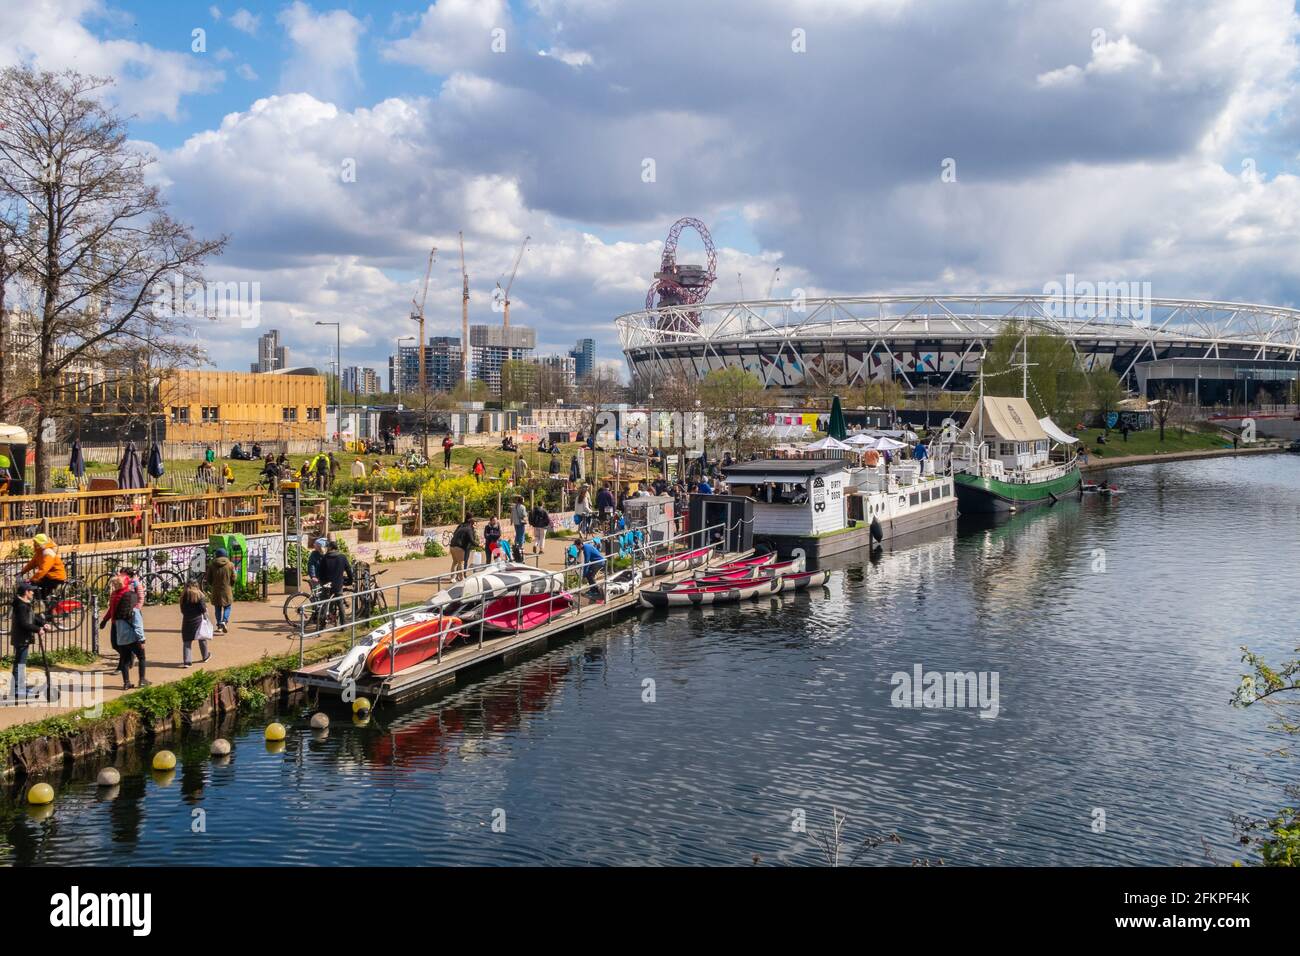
77, 463
888, 444
837, 427
828, 444
129, 472
862, 441
155, 461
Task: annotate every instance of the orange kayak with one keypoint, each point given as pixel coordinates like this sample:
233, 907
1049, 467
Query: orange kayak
415, 642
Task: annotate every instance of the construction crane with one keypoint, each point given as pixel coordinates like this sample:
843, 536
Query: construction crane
771, 285
505, 296
464, 316
417, 311
418, 315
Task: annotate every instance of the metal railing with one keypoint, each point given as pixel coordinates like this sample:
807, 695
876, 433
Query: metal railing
714, 536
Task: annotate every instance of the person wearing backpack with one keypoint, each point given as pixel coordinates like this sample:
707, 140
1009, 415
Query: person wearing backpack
540, 520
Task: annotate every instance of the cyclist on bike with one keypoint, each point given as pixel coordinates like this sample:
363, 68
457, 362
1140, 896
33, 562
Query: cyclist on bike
46, 567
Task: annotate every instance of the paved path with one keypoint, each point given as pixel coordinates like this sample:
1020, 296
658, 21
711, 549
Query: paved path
256, 629
1119, 461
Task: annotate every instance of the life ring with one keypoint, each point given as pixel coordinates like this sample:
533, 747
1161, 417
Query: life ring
872, 458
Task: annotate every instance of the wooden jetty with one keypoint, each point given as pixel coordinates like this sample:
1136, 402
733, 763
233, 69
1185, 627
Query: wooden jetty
473, 651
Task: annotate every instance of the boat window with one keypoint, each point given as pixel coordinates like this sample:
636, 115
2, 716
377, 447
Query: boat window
914, 498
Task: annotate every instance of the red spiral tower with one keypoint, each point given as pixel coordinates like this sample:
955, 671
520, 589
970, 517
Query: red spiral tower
678, 284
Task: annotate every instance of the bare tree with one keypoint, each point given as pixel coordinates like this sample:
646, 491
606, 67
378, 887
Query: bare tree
94, 238
679, 395
1162, 408
601, 388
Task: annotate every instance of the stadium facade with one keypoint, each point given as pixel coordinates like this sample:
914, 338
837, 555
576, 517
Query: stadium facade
802, 346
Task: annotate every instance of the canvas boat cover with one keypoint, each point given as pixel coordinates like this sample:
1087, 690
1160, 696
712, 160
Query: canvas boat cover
1006, 419
1055, 433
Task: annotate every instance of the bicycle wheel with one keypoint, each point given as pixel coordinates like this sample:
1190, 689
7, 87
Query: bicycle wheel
293, 607
66, 609
158, 584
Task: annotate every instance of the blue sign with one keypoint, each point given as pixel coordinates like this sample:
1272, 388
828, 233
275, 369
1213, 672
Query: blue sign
1112, 419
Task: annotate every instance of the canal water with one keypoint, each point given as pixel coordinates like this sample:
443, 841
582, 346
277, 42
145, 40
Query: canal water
1113, 628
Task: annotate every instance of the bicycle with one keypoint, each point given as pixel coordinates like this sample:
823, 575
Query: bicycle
64, 610
157, 584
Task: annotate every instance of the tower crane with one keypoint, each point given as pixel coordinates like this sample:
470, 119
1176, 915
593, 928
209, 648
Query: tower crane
464, 315
506, 292
417, 311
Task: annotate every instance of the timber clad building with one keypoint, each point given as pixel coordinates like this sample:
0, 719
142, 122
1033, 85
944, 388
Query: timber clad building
224, 407
200, 408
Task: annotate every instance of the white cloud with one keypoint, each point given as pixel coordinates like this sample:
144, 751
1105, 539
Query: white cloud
324, 58
53, 35
246, 22
246, 72
453, 35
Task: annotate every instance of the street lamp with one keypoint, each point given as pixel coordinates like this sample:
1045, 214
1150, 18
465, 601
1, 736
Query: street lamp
338, 386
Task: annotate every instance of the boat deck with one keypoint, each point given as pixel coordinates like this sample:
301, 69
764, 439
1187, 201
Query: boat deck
484, 647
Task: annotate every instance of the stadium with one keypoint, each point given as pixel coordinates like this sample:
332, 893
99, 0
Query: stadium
1220, 351
1216, 353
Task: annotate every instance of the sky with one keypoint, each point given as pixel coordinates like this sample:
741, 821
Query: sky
863, 146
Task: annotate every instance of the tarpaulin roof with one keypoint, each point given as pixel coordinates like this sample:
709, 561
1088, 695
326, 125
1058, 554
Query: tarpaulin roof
1006, 419
1055, 433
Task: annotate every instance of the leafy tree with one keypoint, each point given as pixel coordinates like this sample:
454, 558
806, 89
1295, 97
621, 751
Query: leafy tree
1057, 387
730, 399
1277, 838
1105, 392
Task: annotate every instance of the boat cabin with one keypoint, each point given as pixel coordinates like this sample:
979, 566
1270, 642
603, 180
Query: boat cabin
1002, 436
793, 497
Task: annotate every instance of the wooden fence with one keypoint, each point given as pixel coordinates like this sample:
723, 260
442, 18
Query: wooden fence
92, 520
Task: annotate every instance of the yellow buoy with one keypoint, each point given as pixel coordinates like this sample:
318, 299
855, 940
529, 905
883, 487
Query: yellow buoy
275, 731
164, 760
361, 706
40, 794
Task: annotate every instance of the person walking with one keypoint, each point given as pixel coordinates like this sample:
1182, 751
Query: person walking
447, 445
194, 623
27, 625
479, 469
333, 470
519, 518
540, 521
463, 540
221, 585
128, 627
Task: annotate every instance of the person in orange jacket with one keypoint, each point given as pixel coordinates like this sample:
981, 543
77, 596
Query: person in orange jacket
46, 567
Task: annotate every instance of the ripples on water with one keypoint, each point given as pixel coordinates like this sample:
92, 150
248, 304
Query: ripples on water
1113, 687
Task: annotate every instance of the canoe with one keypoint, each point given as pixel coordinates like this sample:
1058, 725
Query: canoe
415, 642
711, 594
465, 598
755, 561
793, 566
353, 664
802, 580
514, 614
623, 582
681, 561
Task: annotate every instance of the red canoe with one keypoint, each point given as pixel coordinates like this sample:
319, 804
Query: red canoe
515, 614
415, 643
757, 561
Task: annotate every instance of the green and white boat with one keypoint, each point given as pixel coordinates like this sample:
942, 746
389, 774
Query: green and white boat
1007, 459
